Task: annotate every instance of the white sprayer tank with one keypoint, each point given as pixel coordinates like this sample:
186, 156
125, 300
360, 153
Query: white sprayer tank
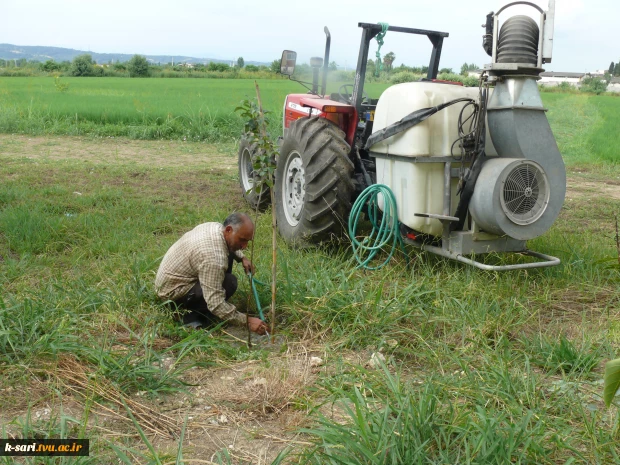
419, 187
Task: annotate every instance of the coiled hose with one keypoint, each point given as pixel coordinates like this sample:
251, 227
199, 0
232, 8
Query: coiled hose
383, 233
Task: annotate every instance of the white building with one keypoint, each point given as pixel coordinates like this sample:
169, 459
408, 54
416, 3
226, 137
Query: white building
556, 78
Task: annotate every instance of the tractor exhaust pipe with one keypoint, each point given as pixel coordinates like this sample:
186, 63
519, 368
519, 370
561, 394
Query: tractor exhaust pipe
328, 41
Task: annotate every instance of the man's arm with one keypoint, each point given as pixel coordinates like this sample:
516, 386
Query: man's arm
211, 278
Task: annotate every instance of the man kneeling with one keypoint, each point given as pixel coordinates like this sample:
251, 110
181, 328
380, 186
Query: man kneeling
196, 272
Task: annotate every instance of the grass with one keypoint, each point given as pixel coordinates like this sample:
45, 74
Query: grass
188, 109
480, 367
203, 110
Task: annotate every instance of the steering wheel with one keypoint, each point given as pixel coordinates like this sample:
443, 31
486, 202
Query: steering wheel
345, 95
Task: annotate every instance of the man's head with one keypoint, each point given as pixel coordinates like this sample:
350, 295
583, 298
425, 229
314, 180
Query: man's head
238, 231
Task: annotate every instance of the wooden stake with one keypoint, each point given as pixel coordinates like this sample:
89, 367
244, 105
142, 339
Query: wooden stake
273, 222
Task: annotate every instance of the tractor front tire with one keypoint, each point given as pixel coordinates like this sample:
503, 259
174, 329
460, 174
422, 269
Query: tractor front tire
248, 179
313, 182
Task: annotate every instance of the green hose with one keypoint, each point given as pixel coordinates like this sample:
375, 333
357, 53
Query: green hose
253, 282
383, 233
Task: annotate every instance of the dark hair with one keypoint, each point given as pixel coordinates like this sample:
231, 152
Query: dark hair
236, 220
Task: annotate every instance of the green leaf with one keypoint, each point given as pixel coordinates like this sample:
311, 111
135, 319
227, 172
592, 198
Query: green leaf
179, 460
612, 380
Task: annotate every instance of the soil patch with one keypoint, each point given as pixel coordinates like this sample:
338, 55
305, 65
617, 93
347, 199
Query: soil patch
161, 153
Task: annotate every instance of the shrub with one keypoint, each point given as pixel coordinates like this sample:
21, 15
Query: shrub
138, 66
82, 65
218, 67
471, 81
61, 86
405, 76
450, 77
50, 66
594, 85
564, 86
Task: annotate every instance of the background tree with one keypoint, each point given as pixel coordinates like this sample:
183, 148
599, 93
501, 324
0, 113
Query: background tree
275, 66
138, 66
617, 69
82, 65
50, 66
240, 62
212, 66
611, 68
466, 68
593, 84
333, 66
388, 60
445, 70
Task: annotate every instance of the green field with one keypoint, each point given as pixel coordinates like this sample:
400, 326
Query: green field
198, 109
480, 367
203, 110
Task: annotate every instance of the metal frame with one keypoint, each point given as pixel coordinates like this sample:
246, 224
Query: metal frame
548, 259
369, 31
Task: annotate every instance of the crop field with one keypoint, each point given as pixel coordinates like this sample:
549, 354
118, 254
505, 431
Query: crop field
432, 363
203, 110
195, 109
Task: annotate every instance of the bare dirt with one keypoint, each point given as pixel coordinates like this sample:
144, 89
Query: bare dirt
118, 151
591, 190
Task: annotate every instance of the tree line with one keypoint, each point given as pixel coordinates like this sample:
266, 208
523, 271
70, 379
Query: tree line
138, 66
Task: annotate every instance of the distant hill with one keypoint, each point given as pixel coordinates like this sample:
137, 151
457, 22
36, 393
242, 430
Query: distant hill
41, 53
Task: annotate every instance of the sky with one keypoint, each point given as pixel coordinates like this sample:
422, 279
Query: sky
585, 30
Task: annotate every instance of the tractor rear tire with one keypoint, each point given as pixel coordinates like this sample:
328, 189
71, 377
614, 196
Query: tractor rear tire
313, 182
247, 177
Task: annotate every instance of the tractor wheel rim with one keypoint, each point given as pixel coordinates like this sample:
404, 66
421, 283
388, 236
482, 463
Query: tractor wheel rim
293, 188
247, 171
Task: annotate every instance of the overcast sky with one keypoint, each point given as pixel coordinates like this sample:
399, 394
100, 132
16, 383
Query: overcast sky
586, 31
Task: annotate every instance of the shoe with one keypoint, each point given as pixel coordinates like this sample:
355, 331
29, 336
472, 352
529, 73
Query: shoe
192, 320
193, 325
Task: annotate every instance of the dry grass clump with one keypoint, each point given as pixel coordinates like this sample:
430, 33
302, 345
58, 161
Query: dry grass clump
268, 388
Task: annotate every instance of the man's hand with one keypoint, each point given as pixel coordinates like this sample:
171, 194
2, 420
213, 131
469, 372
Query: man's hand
248, 266
257, 325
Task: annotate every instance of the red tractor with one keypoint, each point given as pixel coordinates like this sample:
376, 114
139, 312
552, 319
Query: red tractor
323, 164
469, 170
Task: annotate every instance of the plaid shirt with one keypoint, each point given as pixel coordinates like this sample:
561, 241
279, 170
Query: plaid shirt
200, 255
